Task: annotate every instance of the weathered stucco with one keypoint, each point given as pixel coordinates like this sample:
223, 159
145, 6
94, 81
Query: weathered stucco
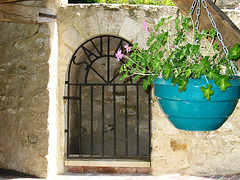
27, 65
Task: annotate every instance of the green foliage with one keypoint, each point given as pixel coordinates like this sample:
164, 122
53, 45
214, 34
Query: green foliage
207, 92
170, 55
148, 2
234, 52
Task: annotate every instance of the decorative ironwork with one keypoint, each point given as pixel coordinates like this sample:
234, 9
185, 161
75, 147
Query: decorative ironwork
106, 117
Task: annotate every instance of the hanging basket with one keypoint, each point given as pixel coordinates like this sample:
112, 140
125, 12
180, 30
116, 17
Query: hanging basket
190, 111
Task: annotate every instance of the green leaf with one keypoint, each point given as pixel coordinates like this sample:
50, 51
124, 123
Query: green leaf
215, 46
222, 82
121, 69
135, 78
195, 49
205, 32
211, 75
207, 92
125, 75
174, 81
177, 21
145, 84
182, 84
197, 70
132, 70
160, 23
150, 39
188, 73
212, 32
167, 70
234, 53
135, 46
204, 61
185, 23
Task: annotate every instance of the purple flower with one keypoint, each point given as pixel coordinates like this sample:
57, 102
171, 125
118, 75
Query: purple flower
119, 55
145, 26
128, 48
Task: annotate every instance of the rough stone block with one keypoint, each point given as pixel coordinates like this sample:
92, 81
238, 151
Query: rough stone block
130, 28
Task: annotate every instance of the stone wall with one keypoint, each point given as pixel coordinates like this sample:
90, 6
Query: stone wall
24, 76
227, 4
33, 83
173, 151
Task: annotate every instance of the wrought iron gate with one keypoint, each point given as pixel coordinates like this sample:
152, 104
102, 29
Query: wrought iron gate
106, 117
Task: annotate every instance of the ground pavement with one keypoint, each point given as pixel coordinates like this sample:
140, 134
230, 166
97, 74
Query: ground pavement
7, 174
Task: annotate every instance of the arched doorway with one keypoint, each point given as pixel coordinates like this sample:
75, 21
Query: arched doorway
106, 117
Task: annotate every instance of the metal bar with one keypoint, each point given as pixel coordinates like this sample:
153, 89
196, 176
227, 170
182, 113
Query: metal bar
90, 52
91, 120
101, 50
114, 77
101, 84
80, 121
87, 54
68, 107
68, 128
95, 47
114, 120
118, 47
108, 60
109, 157
126, 124
102, 121
89, 66
137, 120
149, 121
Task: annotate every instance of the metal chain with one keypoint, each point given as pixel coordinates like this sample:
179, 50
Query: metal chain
219, 36
192, 7
198, 12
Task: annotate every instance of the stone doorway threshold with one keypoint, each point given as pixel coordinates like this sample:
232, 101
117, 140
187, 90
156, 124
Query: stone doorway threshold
110, 166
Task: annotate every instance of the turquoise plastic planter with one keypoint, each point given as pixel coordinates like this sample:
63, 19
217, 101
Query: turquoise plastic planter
190, 111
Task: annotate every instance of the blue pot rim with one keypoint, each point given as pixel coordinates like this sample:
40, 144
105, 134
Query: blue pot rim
234, 80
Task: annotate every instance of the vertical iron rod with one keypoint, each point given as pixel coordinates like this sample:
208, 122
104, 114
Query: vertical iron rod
114, 119
149, 120
108, 60
80, 120
126, 123
68, 128
91, 121
137, 120
102, 120
101, 50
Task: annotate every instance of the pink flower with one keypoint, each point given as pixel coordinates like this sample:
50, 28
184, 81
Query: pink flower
172, 46
128, 48
145, 26
119, 55
238, 7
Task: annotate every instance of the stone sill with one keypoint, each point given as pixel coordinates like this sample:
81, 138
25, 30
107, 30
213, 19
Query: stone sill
107, 163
